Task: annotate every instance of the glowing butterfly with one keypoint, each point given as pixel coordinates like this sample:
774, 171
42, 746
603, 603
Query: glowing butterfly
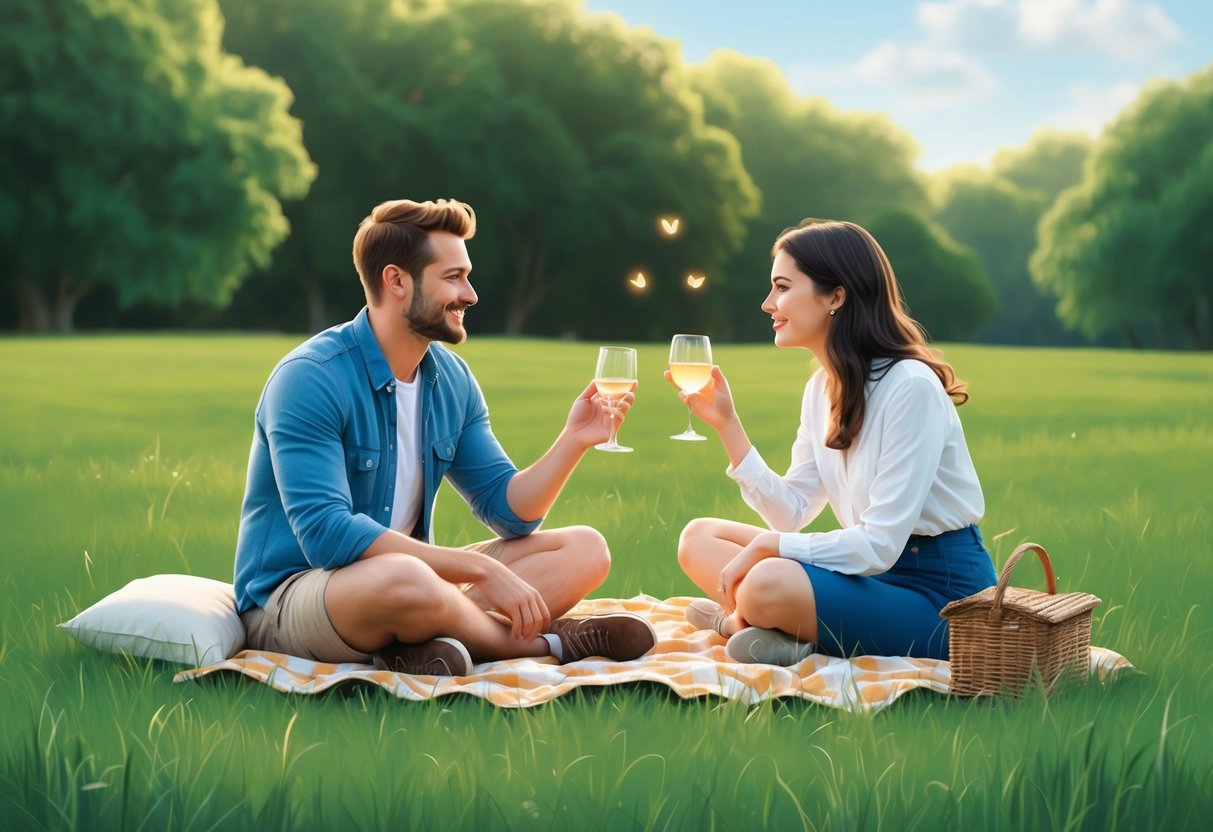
639, 281
695, 282
670, 226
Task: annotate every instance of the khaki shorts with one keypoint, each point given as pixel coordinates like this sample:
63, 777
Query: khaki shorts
295, 621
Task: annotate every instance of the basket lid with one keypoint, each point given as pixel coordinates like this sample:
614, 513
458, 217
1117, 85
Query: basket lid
1047, 607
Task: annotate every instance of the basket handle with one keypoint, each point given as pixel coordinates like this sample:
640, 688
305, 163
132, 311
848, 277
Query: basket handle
1005, 577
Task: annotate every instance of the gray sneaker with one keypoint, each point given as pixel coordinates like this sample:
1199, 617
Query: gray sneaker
706, 614
619, 636
437, 657
755, 645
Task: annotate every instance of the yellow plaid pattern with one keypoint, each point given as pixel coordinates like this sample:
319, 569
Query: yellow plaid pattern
690, 662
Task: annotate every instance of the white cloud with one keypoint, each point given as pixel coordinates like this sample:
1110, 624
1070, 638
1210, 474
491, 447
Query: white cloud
973, 25
1123, 30
925, 77
1091, 106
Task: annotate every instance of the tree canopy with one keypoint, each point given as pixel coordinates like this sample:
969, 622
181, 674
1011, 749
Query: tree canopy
568, 133
1128, 249
942, 282
138, 155
807, 159
995, 211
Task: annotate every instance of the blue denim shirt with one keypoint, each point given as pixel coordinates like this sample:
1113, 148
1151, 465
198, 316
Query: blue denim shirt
322, 469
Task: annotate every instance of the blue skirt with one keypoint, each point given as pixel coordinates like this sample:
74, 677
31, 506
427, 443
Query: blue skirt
896, 613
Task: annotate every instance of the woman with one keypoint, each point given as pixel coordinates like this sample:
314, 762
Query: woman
879, 439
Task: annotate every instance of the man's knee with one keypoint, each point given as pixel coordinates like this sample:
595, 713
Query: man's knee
591, 550
405, 582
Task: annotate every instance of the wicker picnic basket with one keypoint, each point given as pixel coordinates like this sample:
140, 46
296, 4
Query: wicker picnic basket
1002, 635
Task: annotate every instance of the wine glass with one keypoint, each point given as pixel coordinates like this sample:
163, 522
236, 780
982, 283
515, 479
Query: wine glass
614, 378
691, 370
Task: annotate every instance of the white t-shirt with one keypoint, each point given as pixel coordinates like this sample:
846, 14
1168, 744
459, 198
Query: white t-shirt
406, 503
908, 472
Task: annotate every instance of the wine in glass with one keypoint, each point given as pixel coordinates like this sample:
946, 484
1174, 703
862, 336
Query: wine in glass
691, 370
614, 378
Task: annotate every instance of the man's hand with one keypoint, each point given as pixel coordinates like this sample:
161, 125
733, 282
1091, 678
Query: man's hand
517, 600
589, 421
764, 546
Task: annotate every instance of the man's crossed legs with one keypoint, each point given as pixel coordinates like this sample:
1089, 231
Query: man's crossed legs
398, 610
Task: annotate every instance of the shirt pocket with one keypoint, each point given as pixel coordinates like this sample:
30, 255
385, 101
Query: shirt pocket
444, 453
362, 470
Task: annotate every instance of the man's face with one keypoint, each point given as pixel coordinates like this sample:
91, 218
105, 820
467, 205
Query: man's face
443, 293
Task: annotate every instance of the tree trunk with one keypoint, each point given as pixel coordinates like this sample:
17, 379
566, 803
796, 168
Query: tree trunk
1196, 325
317, 309
33, 313
66, 299
529, 287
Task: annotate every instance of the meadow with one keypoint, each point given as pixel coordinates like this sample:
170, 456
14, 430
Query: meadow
124, 456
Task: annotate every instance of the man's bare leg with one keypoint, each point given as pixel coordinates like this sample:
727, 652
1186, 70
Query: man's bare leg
375, 602
564, 565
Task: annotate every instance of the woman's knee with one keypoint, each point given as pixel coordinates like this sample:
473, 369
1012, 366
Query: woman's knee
694, 535
773, 591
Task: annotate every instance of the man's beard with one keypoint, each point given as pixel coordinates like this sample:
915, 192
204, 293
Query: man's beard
428, 319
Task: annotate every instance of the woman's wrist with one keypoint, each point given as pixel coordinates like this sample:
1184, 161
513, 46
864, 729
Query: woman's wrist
733, 437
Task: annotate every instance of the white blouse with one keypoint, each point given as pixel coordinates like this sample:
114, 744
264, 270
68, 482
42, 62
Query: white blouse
908, 472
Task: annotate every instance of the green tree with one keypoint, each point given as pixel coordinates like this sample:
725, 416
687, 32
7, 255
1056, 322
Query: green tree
364, 82
137, 155
807, 159
1047, 164
568, 133
995, 212
609, 136
942, 282
1129, 247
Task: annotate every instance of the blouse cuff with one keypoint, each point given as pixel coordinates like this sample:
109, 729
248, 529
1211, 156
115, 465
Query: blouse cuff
795, 545
749, 469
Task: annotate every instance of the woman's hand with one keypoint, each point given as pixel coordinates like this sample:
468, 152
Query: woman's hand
713, 403
766, 545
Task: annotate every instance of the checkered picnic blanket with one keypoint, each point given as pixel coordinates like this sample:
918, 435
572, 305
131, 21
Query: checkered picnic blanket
690, 662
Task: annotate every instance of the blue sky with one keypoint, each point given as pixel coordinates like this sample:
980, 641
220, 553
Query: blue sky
964, 77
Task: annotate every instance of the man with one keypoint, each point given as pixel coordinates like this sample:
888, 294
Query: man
354, 432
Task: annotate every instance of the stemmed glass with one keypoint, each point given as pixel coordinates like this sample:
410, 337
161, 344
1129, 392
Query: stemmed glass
691, 370
614, 378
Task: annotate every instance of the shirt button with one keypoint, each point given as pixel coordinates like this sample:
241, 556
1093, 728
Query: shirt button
386, 509
369, 464
391, 387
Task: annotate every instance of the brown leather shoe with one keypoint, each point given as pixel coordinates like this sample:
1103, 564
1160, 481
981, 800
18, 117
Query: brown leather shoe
436, 657
620, 637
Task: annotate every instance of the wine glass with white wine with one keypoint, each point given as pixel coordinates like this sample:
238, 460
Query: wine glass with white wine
614, 378
691, 370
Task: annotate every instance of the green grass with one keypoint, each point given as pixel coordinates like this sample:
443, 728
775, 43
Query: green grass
124, 456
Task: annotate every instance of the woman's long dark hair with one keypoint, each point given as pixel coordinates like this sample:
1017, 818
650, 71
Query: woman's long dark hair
871, 324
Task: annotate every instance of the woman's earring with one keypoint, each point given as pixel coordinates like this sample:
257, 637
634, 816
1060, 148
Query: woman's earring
832, 311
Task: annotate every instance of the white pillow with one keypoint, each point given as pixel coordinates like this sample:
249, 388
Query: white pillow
177, 618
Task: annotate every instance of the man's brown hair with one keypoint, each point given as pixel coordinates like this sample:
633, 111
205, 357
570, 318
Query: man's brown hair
396, 233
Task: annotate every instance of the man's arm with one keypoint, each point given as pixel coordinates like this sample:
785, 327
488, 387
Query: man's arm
532, 491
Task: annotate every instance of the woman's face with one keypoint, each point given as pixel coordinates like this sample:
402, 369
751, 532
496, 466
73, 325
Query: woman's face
800, 316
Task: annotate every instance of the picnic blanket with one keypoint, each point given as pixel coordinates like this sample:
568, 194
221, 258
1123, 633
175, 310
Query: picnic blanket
690, 662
